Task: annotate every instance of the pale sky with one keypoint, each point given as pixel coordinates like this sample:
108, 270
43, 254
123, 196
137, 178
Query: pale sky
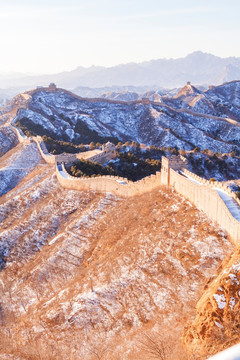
49, 36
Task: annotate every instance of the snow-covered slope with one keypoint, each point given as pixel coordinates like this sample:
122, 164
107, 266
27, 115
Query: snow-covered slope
17, 165
192, 118
90, 271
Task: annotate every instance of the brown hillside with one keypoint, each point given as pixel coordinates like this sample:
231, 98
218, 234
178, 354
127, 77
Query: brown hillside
216, 325
87, 274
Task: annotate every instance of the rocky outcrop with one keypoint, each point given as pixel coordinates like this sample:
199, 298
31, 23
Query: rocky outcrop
216, 325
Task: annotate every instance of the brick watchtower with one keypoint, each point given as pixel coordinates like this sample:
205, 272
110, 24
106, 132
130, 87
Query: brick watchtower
52, 87
175, 162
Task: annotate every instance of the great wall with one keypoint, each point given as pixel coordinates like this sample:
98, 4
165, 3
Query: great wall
214, 198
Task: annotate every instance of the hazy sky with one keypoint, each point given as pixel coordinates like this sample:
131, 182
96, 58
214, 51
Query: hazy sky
55, 35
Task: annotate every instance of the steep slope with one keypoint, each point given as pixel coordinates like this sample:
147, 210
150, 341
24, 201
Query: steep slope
15, 165
17, 160
122, 96
168, 123
216, 325
84, 272
226, 99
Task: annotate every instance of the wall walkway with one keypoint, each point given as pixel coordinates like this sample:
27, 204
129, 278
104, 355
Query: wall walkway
210, 201
114, 184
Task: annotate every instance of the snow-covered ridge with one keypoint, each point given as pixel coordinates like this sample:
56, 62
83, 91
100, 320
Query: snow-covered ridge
199, 119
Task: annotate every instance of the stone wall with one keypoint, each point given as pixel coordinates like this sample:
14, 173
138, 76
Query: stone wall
91, 100
208, 200
20, 135
66, 158
49, 158
212, 184
114, 184
173, 162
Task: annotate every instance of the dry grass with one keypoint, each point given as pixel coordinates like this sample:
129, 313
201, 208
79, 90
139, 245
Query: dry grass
118, 268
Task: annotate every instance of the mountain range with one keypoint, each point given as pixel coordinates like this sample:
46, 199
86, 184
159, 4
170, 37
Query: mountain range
206, 119
199, 68
88, 275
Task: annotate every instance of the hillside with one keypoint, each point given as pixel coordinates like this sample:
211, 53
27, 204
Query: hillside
88, 275
203, 120
216, 325
84, 272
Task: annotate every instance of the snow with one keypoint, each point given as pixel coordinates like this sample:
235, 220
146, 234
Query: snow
230, 202
19, 165
63, 174
236, 267
232, 353
121, 182
149, 124
234, 279
54, 239
7, 139
221, 301
218, 325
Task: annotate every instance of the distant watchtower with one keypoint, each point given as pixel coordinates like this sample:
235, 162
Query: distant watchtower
109, 148
145, 101
175, 162
52, 87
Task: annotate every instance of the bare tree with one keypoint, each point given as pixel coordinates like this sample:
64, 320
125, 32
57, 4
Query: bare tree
155, 347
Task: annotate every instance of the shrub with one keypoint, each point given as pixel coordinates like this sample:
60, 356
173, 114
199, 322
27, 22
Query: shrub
237, 194
196, 149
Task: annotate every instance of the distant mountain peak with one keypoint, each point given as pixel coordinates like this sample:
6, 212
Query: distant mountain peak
202, 68
187, 90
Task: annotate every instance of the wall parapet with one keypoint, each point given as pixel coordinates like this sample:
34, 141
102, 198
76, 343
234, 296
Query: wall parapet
208, 200
117, 185
212, 184
20, 135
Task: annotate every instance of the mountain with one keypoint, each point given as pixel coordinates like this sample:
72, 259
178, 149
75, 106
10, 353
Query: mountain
89, 275
199, 68
189, 119
85, 273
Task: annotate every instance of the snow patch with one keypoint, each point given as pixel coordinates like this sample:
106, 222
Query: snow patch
221, 301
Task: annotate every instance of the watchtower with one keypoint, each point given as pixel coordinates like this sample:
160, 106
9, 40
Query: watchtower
108, 148
52, 87
145, 101
175, 162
